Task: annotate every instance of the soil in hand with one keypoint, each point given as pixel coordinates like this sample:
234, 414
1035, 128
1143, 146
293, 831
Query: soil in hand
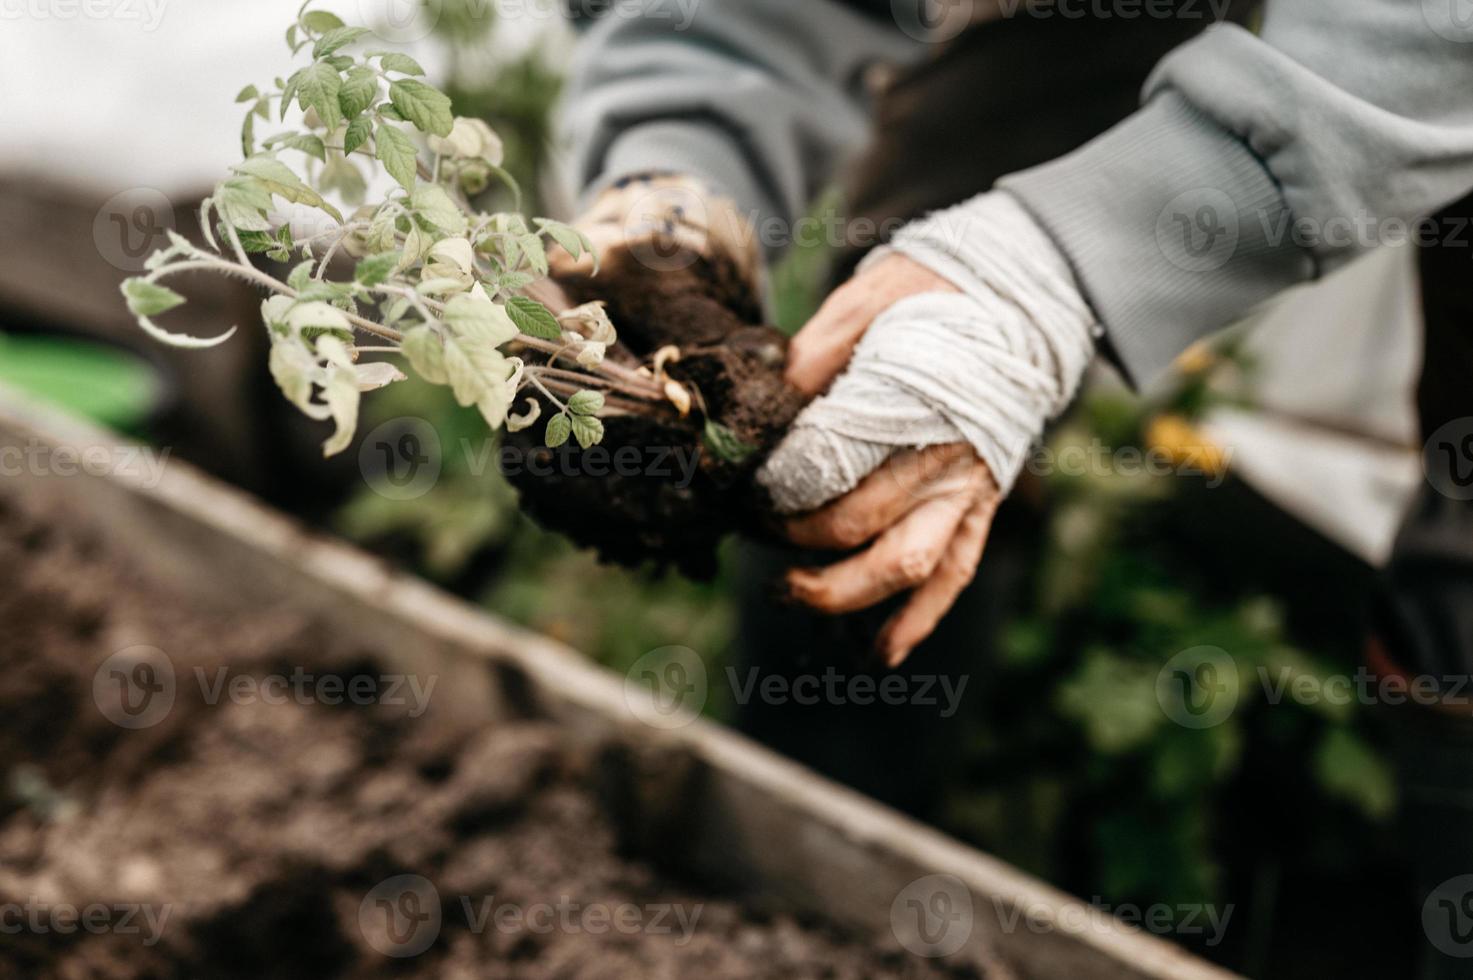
680, 484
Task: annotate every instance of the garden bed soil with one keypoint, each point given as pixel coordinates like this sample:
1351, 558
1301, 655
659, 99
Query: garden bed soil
250, 833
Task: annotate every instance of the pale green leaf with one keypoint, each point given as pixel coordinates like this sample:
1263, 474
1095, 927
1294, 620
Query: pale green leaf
533, 319
294, 370
426, 355
559, 427
358, 91
358, 132
725, 444
342, 396
586, 403
434, 205
468, 314
402, 63
376, 268
338, 37
320, 21
319, 315
425, 106
587, 430
397, 153
318, 89
149, 298
301, 275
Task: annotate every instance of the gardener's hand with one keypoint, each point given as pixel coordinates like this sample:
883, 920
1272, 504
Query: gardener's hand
955, 347
673, 258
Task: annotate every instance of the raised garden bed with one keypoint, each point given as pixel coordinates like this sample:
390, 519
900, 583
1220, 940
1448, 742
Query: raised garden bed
265, 828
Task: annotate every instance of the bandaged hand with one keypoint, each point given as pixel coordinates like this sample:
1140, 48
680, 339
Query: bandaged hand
956, 343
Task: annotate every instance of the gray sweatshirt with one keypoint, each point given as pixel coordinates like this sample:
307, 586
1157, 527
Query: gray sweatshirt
1256, 161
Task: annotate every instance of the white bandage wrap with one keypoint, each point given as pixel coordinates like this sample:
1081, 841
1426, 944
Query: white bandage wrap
987, 366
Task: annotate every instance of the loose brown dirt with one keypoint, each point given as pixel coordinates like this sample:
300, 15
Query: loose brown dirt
242, 838
661, 509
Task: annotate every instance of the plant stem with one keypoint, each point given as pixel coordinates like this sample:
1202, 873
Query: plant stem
543, 388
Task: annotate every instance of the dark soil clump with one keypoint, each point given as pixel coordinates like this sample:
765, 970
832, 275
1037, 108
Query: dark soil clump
246, 838
680, 492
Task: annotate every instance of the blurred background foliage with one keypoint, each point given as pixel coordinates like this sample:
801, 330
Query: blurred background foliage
1074, 772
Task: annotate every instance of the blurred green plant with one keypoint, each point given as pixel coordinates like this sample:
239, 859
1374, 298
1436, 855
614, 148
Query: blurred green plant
104, 384
1090, 782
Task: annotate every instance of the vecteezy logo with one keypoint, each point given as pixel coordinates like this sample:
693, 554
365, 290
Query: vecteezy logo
131, 225
933, 21
1451, 20
666, 688
1198, 688
1198, 230
401, 21
667, 228
1447, 459
1447, 917
932, 916
400, 459
400, 916
134, 688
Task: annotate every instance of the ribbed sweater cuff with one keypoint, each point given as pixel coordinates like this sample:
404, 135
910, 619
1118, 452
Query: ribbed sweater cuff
1174, 229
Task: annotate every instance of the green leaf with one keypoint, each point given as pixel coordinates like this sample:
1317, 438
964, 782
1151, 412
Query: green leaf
394, 61
300, 276
535, 252
425, 106
144, 295
148, 298
247, 94
277, 178
291, 37
587, 430
358, 91
1114, 700
320, 21
434, 205
426, 355
468, 315
476, 369
586, 403
319, 315
398, 155
388, 112
340, 175
559, 427
256, 242
359, 130
725, 443
1349, 768
318, 89
338, 37
533, 319
243, 203
376, 268
289, 91
248, 134
573, 241
510, 282
305, 142
293, 368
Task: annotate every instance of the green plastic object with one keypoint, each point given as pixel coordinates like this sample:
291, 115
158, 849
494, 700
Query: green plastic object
100, 383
